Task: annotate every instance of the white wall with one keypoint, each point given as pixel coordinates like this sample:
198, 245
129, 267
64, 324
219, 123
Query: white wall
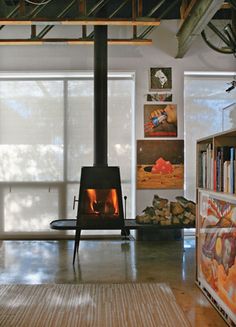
124, 58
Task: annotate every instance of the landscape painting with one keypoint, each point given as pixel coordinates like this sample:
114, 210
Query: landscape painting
160, 164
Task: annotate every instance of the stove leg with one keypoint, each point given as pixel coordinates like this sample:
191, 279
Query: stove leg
125, 232
76, 243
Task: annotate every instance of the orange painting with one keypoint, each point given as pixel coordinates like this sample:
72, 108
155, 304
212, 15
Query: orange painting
160, 164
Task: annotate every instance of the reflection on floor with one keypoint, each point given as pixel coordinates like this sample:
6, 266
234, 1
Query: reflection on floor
171, 262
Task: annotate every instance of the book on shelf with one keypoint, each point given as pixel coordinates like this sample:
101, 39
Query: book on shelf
218, 172
210, 167
226, 170
203, 167
225, 157
234, 176
214, 175
207, 167
232, 171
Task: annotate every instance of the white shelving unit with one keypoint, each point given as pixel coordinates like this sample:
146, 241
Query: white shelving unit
216, 224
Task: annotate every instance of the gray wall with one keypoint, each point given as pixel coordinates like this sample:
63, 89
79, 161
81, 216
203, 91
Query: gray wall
122, 58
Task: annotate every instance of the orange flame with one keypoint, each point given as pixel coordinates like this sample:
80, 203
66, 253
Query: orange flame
114, 200
102, 201
92, 198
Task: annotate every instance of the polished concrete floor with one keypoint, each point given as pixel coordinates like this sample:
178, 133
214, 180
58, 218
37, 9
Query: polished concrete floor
117, 261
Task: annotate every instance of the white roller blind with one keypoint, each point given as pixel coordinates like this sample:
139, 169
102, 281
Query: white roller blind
31, 130
80, 127
46, 136
120, 125
204, 99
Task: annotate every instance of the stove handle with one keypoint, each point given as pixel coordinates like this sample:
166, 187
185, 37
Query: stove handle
125, 198
75, 200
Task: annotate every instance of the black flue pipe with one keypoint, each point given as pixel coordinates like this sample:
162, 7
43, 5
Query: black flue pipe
100, 96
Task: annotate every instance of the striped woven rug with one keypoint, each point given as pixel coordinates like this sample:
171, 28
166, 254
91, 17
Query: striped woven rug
90, 305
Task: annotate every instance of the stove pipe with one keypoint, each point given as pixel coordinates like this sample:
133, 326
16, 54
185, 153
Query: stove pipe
100, 96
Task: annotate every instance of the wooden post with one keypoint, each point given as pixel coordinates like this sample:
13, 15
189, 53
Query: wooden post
140, 8
82, 12
134, 18
22, 7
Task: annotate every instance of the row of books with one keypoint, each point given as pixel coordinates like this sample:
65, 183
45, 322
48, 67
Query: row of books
218, 171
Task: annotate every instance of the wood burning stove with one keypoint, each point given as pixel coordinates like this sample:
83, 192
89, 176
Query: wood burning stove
100, 197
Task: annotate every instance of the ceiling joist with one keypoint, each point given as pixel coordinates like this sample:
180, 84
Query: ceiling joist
73, 41
41, 16
88, 22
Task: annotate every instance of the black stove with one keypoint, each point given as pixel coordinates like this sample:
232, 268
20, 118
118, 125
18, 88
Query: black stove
100, 196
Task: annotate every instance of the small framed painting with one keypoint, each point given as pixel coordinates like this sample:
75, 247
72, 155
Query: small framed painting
160, 120
159, 97
160, 78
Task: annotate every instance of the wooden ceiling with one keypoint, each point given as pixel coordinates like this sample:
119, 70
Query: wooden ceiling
142, 15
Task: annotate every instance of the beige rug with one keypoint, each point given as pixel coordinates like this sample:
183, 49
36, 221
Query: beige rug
90, 305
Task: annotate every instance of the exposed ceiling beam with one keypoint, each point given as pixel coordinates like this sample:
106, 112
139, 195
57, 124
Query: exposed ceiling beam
73, 22
73, 41
48, 28
226, 5
149, 29
200, 14
124, 3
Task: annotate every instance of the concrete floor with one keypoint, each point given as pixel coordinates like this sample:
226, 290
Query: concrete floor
117, 261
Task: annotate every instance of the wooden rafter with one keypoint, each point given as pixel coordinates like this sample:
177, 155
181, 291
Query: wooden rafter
134, 14
140, 8
84, 17
73, 41
82, 7
82, 11
226, 5
47, 28
199, 15
88, 22
113, 14
149, 29
22, 7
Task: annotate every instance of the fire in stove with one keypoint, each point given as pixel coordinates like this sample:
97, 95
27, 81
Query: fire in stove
101, 202
100, 199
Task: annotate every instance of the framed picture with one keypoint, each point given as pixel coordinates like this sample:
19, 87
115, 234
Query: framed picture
216, 251
160, 120
160, 78
159, 97
160, 164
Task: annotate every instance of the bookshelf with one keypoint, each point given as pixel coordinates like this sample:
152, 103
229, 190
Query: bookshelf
216, 222
216, 162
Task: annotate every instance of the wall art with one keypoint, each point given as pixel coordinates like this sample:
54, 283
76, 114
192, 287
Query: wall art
160, 78
216, 250
160, 120
159, 97
160, 164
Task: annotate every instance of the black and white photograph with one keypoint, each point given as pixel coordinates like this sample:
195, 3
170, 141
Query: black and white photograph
160, 78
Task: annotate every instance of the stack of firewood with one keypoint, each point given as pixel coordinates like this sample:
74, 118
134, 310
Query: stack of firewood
165, 213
